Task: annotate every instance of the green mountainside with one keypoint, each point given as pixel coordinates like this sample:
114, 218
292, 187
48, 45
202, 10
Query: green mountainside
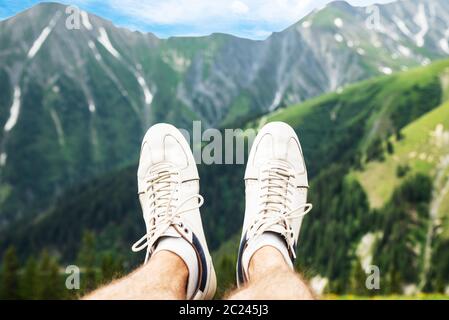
75, 102
392, 127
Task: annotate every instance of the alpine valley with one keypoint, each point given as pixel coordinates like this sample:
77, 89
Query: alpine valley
368, 99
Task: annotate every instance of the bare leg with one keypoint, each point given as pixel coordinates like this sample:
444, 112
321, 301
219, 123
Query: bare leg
164, 277
272, 279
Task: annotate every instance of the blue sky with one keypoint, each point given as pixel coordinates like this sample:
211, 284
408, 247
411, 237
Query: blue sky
254, 19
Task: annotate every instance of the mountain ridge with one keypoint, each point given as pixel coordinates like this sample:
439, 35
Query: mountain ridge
340, 236
74, 104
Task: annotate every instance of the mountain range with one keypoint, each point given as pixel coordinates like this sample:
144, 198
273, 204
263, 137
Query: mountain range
358, 220
64, 92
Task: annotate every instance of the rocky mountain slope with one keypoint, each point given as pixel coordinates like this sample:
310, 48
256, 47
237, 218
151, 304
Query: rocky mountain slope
74, 103
368, 132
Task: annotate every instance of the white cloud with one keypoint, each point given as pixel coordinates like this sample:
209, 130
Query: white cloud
188, 11
239, 7
238, 17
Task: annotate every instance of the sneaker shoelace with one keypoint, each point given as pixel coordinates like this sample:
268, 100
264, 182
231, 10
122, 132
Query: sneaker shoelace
276, 209
163, 210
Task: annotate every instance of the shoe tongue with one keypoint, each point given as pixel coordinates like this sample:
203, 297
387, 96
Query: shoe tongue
276, 186
166, 188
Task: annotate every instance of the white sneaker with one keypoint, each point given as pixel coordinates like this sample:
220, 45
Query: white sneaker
168, 186
276, 195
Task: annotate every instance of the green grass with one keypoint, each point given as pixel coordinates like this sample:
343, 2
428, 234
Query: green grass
239, 109
294, 114
418, 150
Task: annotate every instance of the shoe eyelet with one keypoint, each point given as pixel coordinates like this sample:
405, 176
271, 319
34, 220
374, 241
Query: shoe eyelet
186, 230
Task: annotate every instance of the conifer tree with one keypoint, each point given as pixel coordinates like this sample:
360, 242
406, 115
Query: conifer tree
86, 260
29, 282
50, 283
10, 275
107, 268
358, 279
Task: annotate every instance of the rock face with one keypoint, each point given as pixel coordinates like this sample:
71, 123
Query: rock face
75, 102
